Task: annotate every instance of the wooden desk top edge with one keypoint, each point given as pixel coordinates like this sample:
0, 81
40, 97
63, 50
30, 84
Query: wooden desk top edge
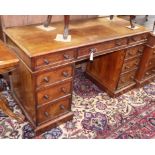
73, 46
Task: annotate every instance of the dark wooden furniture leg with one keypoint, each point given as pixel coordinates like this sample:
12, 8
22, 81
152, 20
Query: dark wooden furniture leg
132, 21
146, 17
111, 17
48, 21
66, 26
3, 105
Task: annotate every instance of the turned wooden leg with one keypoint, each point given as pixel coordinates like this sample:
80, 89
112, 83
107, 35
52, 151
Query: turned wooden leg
154, 26
111, 17
132, 21
66, 26
3, 105
146, 17
48, 21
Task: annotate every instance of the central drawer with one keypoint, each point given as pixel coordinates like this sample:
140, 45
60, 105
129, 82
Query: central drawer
54, 92
54, 75
53, 110
97, 48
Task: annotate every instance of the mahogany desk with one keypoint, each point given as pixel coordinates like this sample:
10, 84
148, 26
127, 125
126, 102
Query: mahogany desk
42, 83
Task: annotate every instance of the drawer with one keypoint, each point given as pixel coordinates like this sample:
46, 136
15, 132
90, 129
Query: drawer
54, 58
126, 79
149, 73
53, 110
54, 92
134, 51
130, 64
54, 75
137, 38
97, 48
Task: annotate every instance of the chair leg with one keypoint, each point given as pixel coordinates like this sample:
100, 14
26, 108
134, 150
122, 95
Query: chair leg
48, 21
132, 21
66, 26
146, 17
3, 105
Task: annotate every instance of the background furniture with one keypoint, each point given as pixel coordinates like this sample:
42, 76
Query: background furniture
46, 68
8, 63
66, 24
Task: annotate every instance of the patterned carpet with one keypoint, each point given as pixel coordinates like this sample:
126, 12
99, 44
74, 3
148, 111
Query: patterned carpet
96, 115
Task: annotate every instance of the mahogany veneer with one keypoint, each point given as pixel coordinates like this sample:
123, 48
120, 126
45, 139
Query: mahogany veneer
43, 80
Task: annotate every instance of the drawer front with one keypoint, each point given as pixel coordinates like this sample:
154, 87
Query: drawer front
54, 92
53, 110
149, 73
137, 38
126, 79
134, 51
131, 64
55, 58
85, 51
54, 75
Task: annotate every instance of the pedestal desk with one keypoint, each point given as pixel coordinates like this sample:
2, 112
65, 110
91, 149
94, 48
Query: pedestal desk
123, 59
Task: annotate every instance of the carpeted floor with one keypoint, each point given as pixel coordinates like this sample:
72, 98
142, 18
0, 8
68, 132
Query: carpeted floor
96, 115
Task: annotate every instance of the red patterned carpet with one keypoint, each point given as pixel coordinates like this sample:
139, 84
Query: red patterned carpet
96, 115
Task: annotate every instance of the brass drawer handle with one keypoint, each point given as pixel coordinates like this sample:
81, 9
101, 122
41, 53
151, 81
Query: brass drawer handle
62, 107
136, 63
130, 54
65, 74
46, 97
46, 79
93, 50
122, 81
140, 50
118, 43
134, 39
64, 90
66, 56
46, 61
46, 114
132, 77
127, 67
147, 73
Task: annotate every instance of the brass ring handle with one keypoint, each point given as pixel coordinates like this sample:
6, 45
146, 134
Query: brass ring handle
46, 79
46, 114
66, 56
65, 74
93, 50
140, 50
46, 61
62, 107
147, 73
122, 81
64, 90
127, 67
46, 97
130, 53
118, 43
134, 39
